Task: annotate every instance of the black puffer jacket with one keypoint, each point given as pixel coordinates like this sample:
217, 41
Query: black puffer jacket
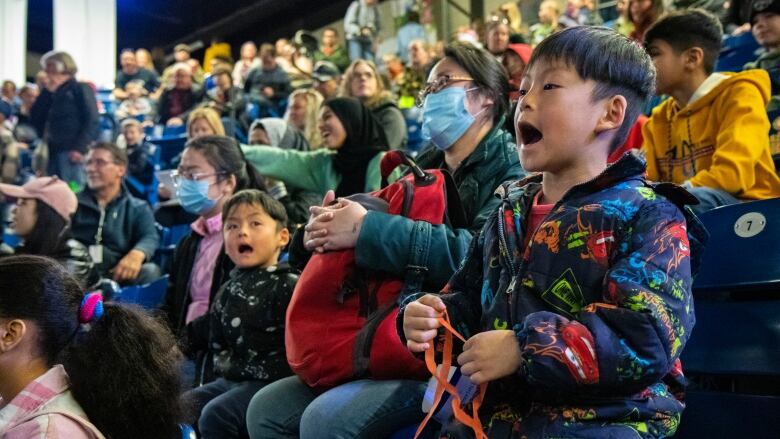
67, 118
73, 255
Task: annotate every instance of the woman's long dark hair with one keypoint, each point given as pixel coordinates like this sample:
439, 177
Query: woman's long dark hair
49, 235
226, 156
123, 368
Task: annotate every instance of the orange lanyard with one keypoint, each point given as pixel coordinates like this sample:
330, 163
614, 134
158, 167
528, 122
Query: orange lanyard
443, 384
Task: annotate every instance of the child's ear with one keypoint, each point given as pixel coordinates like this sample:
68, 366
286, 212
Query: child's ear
694, 58
614, 113
284, 237
11, 334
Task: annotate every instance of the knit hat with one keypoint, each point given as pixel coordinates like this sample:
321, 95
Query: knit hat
50, 190
761, 6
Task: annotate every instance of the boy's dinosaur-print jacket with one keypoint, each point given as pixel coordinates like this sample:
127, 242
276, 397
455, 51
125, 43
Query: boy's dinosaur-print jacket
600, 299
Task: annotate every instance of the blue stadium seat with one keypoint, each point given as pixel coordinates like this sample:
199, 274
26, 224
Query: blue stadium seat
736, 51
170, 147
149, 296
733, 355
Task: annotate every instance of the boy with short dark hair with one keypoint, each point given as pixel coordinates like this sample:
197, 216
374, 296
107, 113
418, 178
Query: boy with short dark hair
246, 319
575, 297
711, 136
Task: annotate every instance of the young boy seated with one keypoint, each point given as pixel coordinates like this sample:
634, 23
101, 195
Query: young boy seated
712, 135
575, 298
245, 324
765, 21
138, 155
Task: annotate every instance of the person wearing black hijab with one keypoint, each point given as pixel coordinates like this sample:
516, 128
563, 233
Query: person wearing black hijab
354, 145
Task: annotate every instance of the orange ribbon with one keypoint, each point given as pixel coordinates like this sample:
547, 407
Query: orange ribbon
443, 384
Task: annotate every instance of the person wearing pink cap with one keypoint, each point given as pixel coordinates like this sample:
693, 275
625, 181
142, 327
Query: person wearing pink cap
42, 218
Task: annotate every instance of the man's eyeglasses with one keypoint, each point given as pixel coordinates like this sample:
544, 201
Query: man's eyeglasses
437, 85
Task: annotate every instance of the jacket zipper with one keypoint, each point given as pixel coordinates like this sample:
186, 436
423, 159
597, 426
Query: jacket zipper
503, 242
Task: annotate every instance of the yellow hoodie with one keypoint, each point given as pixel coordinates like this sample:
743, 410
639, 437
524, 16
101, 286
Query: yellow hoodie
719, 140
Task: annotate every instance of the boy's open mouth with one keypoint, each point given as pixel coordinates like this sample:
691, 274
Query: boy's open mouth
528, 133
244, 248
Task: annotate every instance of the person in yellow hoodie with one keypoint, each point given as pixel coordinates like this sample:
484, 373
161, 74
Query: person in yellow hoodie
712, 134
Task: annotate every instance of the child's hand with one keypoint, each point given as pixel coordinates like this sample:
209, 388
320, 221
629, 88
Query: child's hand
421, 321
490, 355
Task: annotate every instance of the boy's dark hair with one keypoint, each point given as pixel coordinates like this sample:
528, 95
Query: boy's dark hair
123, 368
273, 208
617, 64
689, 28
118, 154
488, 74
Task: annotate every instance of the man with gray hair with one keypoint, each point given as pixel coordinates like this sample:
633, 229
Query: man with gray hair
66, 118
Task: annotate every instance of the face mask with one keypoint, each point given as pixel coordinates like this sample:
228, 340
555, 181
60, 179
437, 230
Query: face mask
445, 117
194, 196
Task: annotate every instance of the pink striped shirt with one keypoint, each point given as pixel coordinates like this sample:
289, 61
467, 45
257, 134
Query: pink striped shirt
205, 262
46, 409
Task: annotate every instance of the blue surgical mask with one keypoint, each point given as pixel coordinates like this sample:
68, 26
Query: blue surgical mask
194, 196
445, 117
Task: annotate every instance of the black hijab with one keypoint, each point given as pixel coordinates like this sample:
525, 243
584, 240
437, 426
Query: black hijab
365, 139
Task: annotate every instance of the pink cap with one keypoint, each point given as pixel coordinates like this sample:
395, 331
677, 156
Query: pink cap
51, 190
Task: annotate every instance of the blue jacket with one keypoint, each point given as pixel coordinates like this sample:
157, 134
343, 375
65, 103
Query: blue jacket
599, 299
392, 243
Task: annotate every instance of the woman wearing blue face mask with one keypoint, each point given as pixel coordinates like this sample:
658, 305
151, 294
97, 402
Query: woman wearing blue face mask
464, 105
212, 168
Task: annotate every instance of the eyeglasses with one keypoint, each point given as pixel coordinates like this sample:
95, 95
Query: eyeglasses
437, 85
99, 163
179, 175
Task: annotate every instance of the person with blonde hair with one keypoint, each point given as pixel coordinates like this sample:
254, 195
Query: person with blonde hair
144, 59
362, 81
302, 110
204, 121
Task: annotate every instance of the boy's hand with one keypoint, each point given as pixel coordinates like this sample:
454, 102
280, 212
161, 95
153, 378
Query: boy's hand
490, 355
421, 322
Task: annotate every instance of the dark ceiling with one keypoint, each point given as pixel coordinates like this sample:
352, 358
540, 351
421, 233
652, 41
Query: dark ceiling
149, 23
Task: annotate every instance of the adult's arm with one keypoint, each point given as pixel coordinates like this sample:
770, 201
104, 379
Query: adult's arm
89, 119
308, 170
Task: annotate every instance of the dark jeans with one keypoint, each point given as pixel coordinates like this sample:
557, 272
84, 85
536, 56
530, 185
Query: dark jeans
710, 198
288, 408
72, 173
222, 407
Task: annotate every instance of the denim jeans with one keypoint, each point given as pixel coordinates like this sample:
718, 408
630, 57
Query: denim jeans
372, 409
222, 407
710, 198
72, 173
360, 49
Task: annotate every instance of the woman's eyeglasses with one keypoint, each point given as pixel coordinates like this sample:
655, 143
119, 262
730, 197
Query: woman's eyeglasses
437, 85
179, 175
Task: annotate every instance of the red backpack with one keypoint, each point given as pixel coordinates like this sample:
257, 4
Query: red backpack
341, 319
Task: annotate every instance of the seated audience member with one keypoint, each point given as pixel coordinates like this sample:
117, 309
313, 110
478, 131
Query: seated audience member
326, 79
228, 100
244, 328
642, 14
278, 133
248, 61
514, 61
204, 121
8, 94
332, 50
181, 54
268, 84
549, 11
132, 72
711, 136
136, 104
65, 114
297, 65
42, 218
622, 24
176, 102
212, 169
354, 144
75, 367
552, 327
362, 81
497, 36
118, 228
415, 73
139, 154
9, 147
144, 59
464, 106
27, 94
765, 18
302, 114
412, 30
